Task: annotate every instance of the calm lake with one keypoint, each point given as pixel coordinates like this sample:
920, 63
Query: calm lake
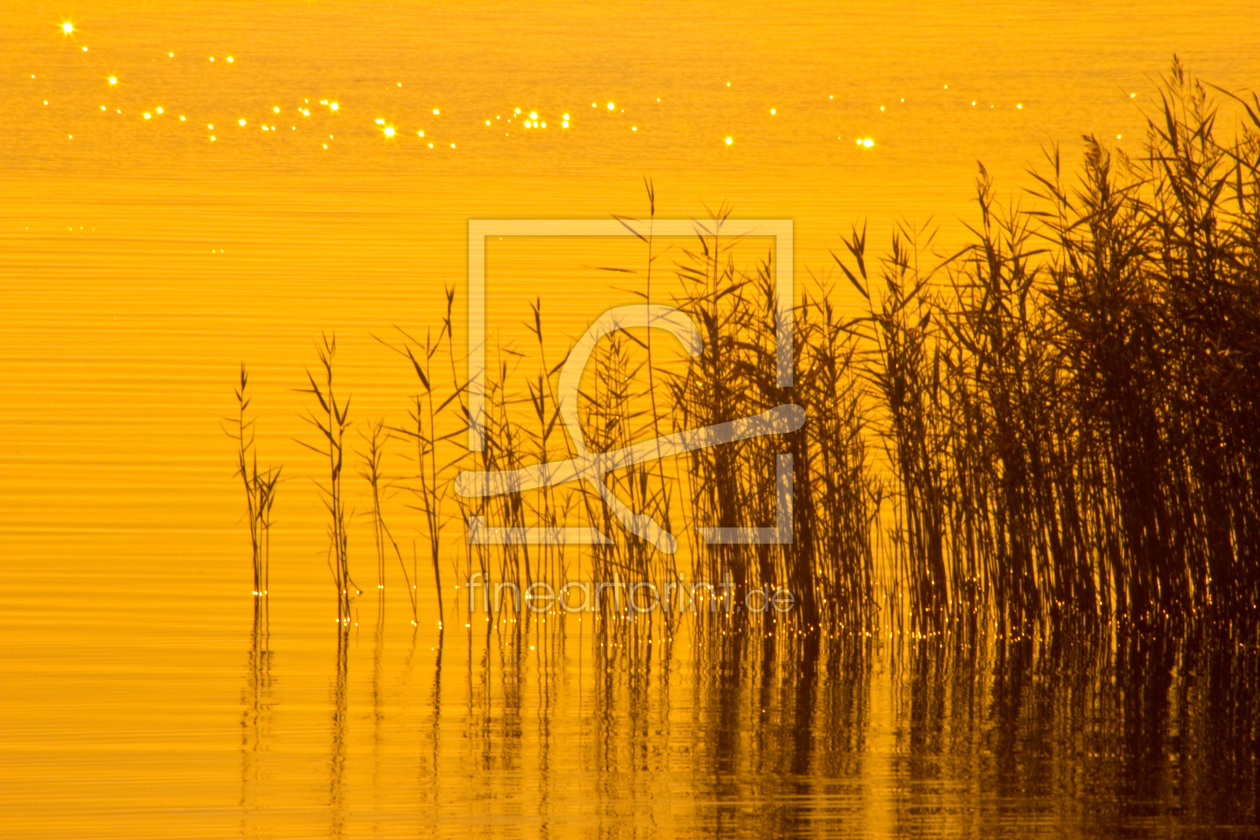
186, 185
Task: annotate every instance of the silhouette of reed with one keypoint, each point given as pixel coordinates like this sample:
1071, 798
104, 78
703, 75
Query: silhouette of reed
430, 482
331, 421
1064, 409
383, 539
1068, 405
1054, 423
828, 564
260, 486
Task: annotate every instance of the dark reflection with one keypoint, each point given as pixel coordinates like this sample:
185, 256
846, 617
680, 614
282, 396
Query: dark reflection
613, 725
337, 754
782, 720
430, 754
256, 720
755, 729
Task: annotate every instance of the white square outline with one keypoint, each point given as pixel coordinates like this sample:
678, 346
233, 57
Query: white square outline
480, 229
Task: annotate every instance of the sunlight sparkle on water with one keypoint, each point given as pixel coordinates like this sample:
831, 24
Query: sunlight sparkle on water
67, 27
389, 131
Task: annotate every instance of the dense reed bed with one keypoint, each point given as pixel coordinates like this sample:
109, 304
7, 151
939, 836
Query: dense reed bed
1069, 406
1058, 423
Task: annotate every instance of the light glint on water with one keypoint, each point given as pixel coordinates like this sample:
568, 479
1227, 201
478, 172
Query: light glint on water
142, 261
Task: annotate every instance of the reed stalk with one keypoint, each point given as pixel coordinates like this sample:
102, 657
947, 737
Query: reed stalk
259, 485
331, 420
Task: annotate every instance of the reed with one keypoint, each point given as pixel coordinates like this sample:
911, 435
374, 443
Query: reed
1063, 402
429, 429
829, 563
1054, 425
331, 420
259, 485
372, 461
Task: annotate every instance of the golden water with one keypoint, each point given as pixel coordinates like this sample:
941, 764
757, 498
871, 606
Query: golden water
143, 257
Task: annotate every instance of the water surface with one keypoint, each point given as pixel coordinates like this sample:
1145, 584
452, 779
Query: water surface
141, 261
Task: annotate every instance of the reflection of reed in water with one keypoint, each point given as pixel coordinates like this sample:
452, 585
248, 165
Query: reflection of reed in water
431, 760
256, 721
339, 720
1108, 730
787, 734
